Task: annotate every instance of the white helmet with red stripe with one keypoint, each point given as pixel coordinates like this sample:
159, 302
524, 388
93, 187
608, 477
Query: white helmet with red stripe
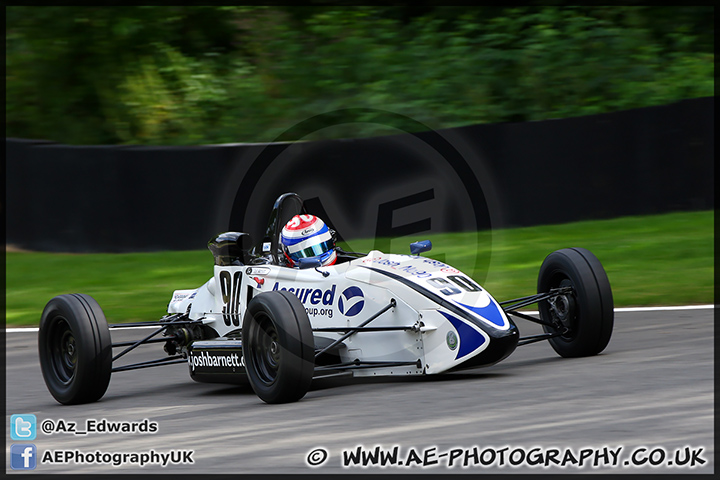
306, 236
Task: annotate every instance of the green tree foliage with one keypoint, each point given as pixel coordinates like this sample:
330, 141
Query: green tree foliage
191, 75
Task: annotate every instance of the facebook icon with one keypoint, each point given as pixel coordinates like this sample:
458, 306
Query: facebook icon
23, 456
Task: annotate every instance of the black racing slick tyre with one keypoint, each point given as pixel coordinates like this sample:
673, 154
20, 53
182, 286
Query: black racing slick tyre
75, 349
278, 347
585, 316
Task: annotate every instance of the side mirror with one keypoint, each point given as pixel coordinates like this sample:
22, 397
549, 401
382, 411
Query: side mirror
312, 262
416, 248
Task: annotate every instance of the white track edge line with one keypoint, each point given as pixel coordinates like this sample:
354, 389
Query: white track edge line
617, 310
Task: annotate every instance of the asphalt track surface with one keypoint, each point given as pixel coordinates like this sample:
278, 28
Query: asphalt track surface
652, 389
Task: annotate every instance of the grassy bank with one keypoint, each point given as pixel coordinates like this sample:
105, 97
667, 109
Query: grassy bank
651, 260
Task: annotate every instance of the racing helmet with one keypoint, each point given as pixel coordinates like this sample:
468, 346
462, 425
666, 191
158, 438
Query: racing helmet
306, 236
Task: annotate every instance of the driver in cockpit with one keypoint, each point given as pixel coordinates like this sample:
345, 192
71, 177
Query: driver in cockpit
307, 236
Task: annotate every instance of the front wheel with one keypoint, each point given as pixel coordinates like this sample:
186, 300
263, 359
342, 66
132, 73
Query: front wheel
278, 347
585, 316
75, 349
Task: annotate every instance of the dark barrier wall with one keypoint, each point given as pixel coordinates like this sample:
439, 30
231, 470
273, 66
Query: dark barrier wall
126, 198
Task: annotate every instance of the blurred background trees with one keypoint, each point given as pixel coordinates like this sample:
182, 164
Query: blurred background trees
198, 74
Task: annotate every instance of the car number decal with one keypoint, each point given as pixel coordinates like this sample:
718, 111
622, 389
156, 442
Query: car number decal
230, 289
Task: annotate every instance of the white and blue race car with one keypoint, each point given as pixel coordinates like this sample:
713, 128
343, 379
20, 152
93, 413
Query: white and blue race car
261, 322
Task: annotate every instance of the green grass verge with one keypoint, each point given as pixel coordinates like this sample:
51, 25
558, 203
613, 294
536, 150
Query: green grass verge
650, 260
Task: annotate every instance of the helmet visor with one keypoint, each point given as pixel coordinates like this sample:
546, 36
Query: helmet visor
312, 251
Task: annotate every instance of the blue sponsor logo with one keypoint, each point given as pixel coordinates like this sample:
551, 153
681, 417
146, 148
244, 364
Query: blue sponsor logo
351, 301
315, 296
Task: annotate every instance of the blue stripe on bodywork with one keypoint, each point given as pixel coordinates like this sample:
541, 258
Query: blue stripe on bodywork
456, 309
470, 339
491, 313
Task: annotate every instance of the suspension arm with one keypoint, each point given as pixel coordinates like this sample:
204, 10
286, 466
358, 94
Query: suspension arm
173, 321
151, 340
176, 319
529, 300
364, 329
337, 342
529, 318
537, 338
151, 363
139, 342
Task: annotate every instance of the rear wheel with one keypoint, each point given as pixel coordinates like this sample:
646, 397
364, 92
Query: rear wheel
75, 349
278, 347
586, 315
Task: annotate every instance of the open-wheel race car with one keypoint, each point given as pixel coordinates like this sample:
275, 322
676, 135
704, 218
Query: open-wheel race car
276, 324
